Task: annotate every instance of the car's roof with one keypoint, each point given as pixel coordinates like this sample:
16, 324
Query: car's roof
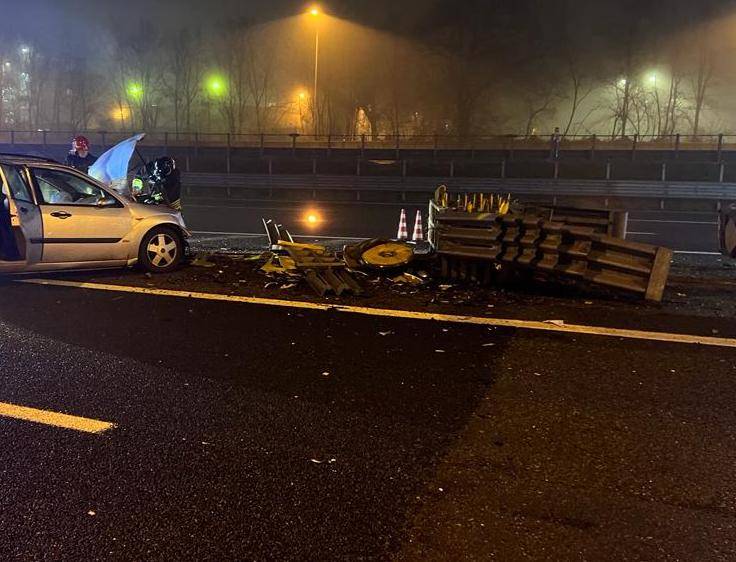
8, 158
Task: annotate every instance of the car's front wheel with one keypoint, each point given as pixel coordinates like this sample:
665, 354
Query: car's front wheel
161, 250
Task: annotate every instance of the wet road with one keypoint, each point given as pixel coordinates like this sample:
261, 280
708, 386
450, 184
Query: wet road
686, 232
252, 432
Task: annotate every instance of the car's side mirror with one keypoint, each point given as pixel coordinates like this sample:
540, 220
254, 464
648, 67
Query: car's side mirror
106, 202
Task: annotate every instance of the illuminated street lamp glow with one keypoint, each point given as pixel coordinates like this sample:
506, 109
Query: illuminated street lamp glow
622, 82
121, 113
134, 90
312, 218
314, 11
216, 85
25, 50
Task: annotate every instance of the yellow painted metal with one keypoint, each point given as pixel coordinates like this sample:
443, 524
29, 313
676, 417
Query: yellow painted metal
390, 254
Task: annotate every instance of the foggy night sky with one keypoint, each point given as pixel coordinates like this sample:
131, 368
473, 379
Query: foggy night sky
71, 21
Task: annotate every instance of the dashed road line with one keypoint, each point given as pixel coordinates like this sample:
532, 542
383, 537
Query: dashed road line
559, 327
56, 419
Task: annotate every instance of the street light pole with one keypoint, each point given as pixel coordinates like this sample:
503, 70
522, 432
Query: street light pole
315, 99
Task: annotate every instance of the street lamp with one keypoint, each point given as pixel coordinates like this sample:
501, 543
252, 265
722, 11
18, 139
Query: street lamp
216, 86
135, 91
315, 12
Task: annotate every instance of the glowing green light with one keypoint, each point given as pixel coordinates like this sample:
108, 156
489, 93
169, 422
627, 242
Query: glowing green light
135, 90
216, 85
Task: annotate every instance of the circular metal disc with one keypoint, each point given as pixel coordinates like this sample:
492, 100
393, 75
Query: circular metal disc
390, 254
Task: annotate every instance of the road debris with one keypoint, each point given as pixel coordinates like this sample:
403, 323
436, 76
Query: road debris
408, 279
326, 461
323, 271
202, 260
480, 236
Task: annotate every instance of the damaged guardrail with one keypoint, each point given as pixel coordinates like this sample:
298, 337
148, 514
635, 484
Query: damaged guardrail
474, 234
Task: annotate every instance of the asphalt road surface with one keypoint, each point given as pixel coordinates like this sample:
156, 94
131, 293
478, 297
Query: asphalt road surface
684, 232
252, 432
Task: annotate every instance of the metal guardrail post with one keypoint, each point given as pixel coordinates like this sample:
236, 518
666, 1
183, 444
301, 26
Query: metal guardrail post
362, 145
592, 147
503, 168
452, 168
262, 144
620, 224
608, 169
720, 146
663, 175
721, 172
227, 154
633, 146
270, 166
677, 144
403, 168
398, 147
357, 167
44, 138
556, 170
293, 143
12, 137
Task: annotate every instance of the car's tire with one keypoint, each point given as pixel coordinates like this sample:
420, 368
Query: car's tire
161, 250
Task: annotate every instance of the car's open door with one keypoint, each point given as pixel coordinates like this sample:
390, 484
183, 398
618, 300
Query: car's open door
26, 225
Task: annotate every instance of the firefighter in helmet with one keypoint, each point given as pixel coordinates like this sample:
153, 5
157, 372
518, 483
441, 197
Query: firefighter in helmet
79, 156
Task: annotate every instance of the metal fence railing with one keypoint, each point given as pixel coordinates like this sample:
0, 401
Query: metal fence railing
263, 141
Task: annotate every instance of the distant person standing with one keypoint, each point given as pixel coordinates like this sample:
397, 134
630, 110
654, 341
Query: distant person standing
79, 156
555, 144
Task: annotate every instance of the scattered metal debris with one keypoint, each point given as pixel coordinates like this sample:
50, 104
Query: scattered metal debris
476, 236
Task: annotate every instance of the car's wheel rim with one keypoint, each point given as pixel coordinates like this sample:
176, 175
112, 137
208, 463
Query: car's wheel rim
162, 250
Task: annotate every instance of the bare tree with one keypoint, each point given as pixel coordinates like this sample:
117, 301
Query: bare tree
701, 80
182, 79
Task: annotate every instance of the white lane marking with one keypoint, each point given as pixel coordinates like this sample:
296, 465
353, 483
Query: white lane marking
55, 419
674, 222
406, 314
641, 233
687, 252
255, 235
243, 234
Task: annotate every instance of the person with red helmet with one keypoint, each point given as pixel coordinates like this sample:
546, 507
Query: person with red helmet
79, 156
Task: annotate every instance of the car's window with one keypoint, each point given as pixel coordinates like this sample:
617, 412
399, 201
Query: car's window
17, 184
63, 188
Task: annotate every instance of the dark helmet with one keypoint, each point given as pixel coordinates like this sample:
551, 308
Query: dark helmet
163, 167
80, 143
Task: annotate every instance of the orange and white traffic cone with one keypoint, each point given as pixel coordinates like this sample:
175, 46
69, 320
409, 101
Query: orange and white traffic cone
403, 232
418, 228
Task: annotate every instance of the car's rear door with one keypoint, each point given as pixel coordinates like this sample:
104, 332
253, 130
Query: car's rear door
25, 217
81, 221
